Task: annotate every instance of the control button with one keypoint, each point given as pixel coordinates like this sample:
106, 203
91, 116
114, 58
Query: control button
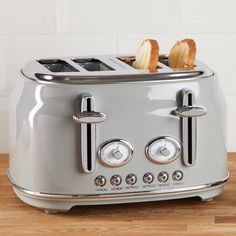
148, 178
163, 177
115, 180
100, 181
165, 151
131, 179
177, 175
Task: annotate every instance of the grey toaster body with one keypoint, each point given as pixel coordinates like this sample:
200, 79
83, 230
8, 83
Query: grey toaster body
97, 131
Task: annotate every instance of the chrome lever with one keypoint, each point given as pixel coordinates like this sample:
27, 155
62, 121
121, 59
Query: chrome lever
190, 111
87, 118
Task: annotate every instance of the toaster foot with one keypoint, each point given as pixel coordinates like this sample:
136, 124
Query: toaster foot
207, 199
49, 211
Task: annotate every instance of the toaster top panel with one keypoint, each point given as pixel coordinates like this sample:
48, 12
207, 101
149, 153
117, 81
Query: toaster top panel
105, 69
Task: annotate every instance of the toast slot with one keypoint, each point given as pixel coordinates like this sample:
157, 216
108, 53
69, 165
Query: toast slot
92, 64
55, 65
129, 60
89, 154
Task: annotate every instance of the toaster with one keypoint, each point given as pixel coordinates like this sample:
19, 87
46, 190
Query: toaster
95, 130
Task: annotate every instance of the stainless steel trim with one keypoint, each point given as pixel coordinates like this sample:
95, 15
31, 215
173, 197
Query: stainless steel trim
89, 117
53, 196
122, 141
107, 79
190, 111
169, 139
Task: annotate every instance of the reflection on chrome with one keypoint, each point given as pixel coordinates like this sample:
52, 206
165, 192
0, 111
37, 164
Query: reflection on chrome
36, 108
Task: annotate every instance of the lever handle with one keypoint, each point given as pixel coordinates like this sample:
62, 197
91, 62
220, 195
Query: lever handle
89, 117
190, 111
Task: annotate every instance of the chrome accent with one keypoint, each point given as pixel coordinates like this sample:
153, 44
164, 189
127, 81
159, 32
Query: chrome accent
148, 178
190, 111
122, 73
167, 139
115, 180
89, 117
118, 157
163, 177
100, 181
131, 179
52, 196
177, 175
108, 79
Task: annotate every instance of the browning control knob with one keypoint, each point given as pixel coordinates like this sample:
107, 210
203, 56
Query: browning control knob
115, 153
163, 150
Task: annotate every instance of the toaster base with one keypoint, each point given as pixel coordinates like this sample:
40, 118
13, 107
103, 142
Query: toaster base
53, 203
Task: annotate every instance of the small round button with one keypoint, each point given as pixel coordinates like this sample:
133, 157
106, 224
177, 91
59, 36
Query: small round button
177, 175
115, 180
148, 178
163, 177
100, 181
131, 179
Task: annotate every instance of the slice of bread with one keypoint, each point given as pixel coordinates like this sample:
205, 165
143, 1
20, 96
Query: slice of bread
146, 58
182, 55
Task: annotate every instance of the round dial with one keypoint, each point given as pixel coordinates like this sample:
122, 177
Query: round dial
163, 150
115, 153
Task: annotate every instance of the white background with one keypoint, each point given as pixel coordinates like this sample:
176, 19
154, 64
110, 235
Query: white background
32, 29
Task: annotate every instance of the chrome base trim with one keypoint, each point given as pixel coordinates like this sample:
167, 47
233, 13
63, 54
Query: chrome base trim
53, 196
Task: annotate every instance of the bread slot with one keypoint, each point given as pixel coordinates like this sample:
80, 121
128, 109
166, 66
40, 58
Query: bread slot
93, 64
164, 60
55, 65
129, 60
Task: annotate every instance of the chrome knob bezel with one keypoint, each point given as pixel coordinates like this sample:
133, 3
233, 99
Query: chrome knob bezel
106, 144
167, 139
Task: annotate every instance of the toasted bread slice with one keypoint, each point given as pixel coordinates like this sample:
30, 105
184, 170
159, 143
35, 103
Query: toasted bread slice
147, 56
183, 55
